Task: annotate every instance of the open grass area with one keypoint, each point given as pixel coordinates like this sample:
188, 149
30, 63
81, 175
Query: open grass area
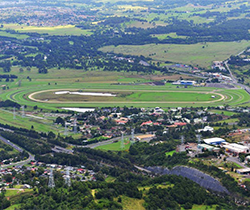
166, 36
227, 113
132, 203
170, 153
129, 95
110, 179
14, 192
195, 54
203, 207
42, 125
18, 36
122, 96
117, 146
57, 30
233, 120
14, 207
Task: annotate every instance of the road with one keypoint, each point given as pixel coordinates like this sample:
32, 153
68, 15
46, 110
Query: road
188, 74
63, 150
231, 74
234, 80
30, 158
105, 142
235, 160
142, 169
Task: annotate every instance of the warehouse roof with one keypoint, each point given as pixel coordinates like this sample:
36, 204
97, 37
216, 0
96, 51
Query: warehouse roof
214, 140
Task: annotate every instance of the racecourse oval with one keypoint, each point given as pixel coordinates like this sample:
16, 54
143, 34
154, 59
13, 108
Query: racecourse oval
124, 96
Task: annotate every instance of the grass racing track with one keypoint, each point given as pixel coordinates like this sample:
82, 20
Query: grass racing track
140, 96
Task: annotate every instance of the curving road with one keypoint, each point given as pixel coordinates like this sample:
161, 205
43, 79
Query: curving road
23, 162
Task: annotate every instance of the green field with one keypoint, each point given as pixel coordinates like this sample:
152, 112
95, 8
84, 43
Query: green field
170, 153
227, 113
116, 146
166, 36
27, 122
139, 96
57, 30
14, 207
18, 36
132, 203
125, 96
193, 54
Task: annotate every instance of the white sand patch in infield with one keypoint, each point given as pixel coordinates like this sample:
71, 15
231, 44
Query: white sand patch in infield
82, 110
84, 93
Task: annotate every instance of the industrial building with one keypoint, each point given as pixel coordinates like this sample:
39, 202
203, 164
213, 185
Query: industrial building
214, 141
205, 147
243, 171
236, 148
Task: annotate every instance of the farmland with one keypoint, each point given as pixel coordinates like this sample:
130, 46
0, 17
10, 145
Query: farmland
195, 54
56, 30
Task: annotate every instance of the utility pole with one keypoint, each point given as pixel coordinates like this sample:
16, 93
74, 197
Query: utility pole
51, 183
122, 141
75, 125
65, 129
14, 113
67, 178
23, 114
132, 136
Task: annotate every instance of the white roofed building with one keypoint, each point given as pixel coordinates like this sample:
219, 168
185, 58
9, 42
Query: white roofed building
206, 128
214, 141
236, 148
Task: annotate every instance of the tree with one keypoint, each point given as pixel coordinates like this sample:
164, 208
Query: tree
42, 70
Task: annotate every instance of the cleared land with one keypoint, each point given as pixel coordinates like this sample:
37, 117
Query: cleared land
202, 54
